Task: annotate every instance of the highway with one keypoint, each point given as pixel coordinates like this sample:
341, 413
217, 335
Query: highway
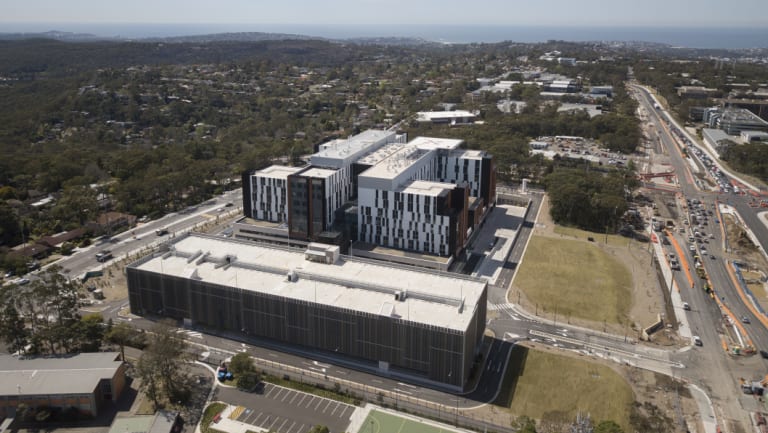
709, 366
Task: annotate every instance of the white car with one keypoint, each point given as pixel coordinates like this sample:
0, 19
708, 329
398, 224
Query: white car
697, 341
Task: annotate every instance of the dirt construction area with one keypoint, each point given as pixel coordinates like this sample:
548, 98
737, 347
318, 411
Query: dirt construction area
626, 256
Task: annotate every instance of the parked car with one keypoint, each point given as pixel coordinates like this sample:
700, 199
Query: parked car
686, 306
697, 341
764, 354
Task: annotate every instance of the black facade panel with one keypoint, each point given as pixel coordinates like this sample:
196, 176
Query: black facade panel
247, 194
486, 185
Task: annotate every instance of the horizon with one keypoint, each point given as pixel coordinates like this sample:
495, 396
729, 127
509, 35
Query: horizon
703, 37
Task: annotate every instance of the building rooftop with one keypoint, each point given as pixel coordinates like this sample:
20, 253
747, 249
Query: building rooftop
336, 153
423, 187
428, 116
443, 300
395, 163
278, 171
430, 143
741, 115
72, 374
318, 172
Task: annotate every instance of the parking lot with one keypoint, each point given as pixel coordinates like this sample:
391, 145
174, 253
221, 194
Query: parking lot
285, 410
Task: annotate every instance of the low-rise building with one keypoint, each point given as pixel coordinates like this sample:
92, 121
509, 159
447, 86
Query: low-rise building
456, 117
85, 382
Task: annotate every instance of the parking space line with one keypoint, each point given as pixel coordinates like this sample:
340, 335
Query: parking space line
252, 415
319, 403
290, 429
310, 402
302, 399
341, 415
286, 396
335, 408
271, 390
273, 423
255, 421
279, 391
281, 425
294, 397
325, 409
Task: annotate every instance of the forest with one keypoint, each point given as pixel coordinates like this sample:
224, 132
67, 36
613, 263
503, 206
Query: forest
148, 128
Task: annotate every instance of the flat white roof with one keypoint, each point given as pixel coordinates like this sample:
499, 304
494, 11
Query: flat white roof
278, 171
379, 154
423, 187
432, 298
429, 143
395, 163
343, 147
318, 172
431, 115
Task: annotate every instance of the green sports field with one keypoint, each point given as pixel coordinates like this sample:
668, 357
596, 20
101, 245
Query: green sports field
380, 422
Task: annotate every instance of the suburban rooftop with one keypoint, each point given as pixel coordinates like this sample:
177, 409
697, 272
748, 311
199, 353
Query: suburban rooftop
71, 374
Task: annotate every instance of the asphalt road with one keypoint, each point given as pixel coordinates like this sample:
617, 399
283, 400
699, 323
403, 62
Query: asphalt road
708, 366
144, 235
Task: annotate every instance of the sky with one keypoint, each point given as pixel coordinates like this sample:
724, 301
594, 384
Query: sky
576, 13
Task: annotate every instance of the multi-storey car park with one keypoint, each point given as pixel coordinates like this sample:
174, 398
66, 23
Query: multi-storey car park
396, 320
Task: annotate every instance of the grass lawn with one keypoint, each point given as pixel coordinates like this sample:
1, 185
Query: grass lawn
381, 422
209, 413
546, 386
613, 240
577, 279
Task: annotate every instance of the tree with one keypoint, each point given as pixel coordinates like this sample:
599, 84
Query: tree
12, 329
248, 381
163, 368
120, 334
91, 333
319, 429
241, 363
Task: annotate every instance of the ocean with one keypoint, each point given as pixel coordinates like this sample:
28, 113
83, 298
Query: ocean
691, 37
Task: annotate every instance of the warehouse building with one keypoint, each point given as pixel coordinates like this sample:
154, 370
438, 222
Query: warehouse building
395, 320
82, 383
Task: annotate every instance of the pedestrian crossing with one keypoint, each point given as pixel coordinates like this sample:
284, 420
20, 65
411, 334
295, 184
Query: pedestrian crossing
189, 334
508, 310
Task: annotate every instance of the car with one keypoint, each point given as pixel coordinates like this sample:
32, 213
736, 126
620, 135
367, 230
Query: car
712, 256
22, 281
692, 248
103, 255
703, 251
161, 232
686, 306
229, 204
764, 354
697, 340
745, 319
